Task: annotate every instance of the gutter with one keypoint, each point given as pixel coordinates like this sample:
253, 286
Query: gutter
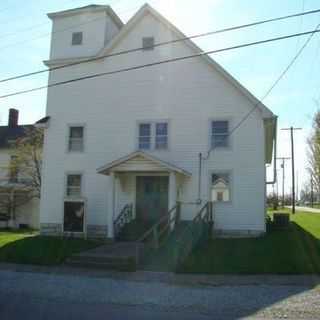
274, 154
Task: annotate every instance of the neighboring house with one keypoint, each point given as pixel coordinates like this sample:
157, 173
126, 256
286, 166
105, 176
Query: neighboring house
13, 183
135, 137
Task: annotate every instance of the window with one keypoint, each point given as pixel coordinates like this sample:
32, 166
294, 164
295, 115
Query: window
161, 135
219, 134
145, 136
74, 185
148, 43
220, 187
153, 135
76, 139
77, 38
73, 216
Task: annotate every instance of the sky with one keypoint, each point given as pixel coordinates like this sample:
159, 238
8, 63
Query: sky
25, 43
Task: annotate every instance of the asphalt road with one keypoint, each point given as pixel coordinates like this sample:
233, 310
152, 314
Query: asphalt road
25, 295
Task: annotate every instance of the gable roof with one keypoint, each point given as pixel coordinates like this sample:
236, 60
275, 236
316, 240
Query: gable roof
147, 9
9, 134
112, 166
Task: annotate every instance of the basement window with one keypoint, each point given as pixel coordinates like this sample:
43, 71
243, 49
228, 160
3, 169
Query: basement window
77, 38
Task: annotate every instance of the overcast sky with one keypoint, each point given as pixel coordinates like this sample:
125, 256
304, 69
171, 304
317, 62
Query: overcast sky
25, 41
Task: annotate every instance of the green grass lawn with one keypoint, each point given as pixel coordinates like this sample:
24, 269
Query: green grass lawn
292, 251
30, 248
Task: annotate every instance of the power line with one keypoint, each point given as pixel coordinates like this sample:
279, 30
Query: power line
47, 34
159, 44
169, 61
283, 73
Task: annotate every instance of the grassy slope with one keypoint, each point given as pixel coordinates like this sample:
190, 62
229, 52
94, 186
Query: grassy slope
27, 247
292, 251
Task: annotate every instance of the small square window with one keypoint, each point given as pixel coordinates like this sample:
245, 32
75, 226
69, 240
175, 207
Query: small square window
77, 38
148, 43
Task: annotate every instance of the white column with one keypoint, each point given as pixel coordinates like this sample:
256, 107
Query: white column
172, 191
111, 204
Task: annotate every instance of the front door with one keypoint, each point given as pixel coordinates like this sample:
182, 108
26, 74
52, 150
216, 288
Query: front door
151, 198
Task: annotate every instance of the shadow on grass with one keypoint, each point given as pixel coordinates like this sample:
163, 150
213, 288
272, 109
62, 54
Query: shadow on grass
290, 251
41, 250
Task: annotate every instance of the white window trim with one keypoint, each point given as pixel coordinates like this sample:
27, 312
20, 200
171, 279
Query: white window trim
78, 197
231, 184
153, 134
69, 126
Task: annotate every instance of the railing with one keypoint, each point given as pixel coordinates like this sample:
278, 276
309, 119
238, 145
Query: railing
153, 238
197, 232
123, 218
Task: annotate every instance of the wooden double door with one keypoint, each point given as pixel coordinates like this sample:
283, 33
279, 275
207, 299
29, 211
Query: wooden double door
151, 198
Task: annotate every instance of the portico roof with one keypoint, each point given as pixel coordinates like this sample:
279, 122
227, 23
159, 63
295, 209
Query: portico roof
140, 161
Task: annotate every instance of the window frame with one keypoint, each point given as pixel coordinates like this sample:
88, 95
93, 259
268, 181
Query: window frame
229, 172
74, 197
153, 124
140, 136
229, 142
72, 125
74, 34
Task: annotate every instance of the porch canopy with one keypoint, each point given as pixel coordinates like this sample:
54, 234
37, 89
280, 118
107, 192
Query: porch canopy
140, 161
144, 169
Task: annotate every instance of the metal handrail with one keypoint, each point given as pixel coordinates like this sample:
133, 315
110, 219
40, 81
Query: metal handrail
124, 217
185, 244
175, 218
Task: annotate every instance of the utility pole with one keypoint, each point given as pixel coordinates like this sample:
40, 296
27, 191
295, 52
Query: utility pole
283, 176
292, 129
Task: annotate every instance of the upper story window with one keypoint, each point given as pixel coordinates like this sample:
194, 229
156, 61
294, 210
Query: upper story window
148, 43
76, 134
220, 187
219, 134
153, 135
73, 188
77, 38
145, 136
161, 135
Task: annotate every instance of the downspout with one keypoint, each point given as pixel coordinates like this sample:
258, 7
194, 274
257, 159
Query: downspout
199, 179
274, 154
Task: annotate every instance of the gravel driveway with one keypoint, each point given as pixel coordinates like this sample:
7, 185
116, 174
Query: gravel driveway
222, 302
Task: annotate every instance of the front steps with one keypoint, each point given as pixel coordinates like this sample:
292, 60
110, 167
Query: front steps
117, 256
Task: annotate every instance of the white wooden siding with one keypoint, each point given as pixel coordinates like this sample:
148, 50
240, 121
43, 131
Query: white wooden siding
189, 93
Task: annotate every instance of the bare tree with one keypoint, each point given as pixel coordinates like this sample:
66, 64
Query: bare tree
314, 152
23, 182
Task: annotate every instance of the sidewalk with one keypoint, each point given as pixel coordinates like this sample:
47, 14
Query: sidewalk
171, 278
306, 209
